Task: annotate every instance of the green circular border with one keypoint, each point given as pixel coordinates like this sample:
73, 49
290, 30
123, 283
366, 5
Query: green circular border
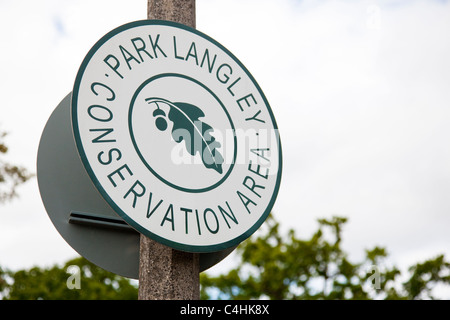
130, 127
117, 209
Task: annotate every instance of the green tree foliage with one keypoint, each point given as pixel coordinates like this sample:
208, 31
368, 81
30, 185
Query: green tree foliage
77, 279
272, 266
11, 176
277, 267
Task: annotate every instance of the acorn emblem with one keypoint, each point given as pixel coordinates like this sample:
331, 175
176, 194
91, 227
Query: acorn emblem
160, 121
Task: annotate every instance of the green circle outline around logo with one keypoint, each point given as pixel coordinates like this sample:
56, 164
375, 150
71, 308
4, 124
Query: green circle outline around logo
76, 133
130, 126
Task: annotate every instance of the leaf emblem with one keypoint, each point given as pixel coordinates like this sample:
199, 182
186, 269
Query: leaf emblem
187, 127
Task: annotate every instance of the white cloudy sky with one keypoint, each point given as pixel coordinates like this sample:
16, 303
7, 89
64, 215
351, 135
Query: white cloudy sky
360, 91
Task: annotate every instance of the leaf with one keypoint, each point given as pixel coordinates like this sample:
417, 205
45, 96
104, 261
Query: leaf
195, 133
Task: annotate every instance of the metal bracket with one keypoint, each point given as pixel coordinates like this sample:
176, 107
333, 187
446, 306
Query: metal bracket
99, 221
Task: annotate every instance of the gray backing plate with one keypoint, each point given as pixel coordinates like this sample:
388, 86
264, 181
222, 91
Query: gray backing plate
65, 188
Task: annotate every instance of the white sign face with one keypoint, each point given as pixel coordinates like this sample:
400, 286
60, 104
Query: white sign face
176, 135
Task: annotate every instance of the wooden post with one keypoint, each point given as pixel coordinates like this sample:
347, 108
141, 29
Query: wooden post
182, 11
166, 273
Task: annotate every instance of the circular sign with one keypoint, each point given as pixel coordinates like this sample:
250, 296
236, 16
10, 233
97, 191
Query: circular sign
176, 135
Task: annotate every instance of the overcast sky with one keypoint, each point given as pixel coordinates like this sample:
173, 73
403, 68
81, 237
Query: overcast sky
361, 94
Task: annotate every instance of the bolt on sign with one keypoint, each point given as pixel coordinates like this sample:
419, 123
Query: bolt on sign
176, 135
